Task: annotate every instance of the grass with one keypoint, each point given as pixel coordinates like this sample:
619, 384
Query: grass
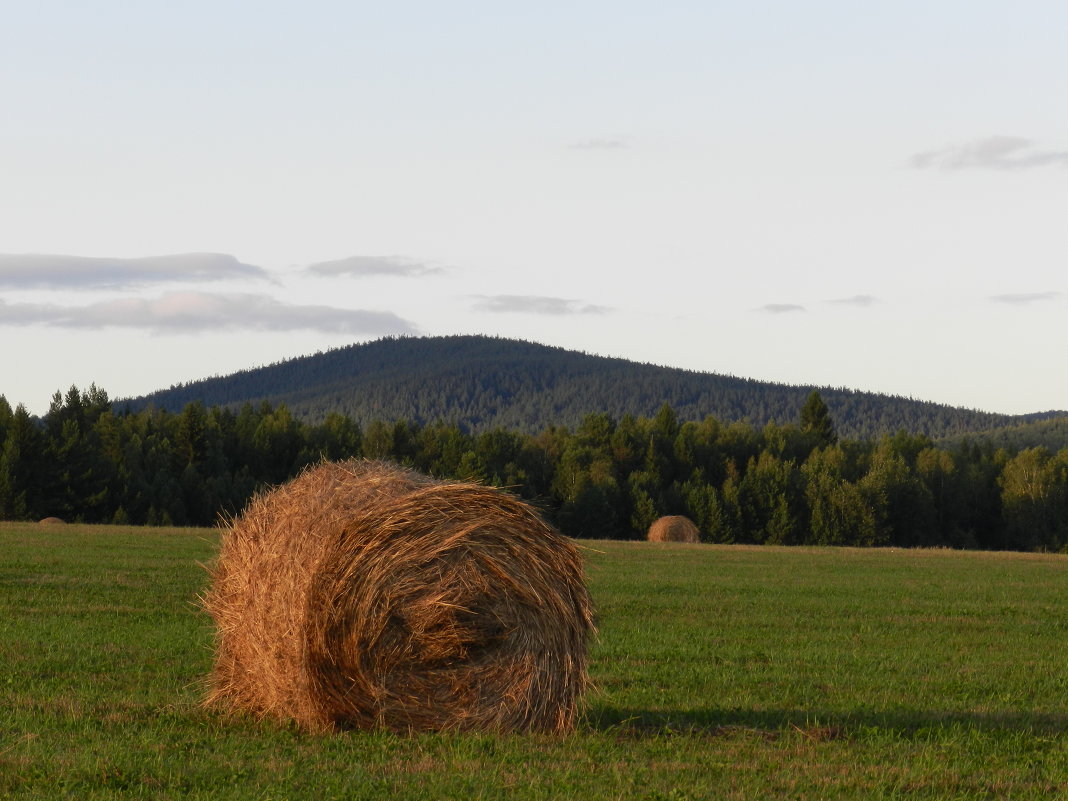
722, 672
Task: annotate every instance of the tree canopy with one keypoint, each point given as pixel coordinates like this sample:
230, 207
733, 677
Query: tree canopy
607, 477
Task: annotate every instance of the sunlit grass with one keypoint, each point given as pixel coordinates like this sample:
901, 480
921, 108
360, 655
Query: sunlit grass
721, 672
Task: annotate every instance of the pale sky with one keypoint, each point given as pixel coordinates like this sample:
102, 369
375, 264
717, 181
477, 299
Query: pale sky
868, 195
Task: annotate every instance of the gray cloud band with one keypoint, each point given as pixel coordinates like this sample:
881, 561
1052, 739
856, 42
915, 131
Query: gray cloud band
1024, 298
855, 300
367, 266
991, 153
196, 312
534, 304
781, 308
46, 271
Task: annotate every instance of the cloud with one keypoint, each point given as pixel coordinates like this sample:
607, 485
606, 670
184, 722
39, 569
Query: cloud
781, 308
855, 300
602, 143
195, 312
991, 153
364, 266
534, 304
45, 271
1024, 298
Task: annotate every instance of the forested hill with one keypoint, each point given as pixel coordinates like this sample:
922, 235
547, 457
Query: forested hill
483, 382
1051, 434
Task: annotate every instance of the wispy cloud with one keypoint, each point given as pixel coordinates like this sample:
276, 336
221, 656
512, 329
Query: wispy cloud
855, 300
534, 304
602, 143
195, 312
780, 308
365, 266
1024, 298
47, 271
991, 153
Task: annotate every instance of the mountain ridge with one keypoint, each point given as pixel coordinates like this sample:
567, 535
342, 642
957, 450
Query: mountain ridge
481, 382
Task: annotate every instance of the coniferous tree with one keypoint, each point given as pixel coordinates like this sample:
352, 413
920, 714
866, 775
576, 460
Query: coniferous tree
727, 523
5, 418
769, 502
816, 420
642, 495
77, 476
21, 468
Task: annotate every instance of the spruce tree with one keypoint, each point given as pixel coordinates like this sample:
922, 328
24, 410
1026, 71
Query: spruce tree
20, 468
816, 420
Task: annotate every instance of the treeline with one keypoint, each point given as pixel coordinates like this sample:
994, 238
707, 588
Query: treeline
605, 478
1051, 434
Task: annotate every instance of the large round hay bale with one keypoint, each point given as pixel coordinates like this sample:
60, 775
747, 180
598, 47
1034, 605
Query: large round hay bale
52, 521
361, 595
674, 528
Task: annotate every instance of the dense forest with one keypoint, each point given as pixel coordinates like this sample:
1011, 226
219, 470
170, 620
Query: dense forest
481, 383
1051, 434
608, 476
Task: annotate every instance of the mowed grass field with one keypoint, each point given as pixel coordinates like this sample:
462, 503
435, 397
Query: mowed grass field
721, 672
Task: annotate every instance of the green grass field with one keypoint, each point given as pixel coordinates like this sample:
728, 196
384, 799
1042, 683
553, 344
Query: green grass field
722, 672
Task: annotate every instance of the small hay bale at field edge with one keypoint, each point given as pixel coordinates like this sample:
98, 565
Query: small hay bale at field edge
52, 521
362, 595
674, 528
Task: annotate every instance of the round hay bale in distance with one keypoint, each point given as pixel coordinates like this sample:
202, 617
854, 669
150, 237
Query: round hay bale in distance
362, 595
52, 521
674, 528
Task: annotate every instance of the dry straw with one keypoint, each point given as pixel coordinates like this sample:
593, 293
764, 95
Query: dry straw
361, 595
674, 528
